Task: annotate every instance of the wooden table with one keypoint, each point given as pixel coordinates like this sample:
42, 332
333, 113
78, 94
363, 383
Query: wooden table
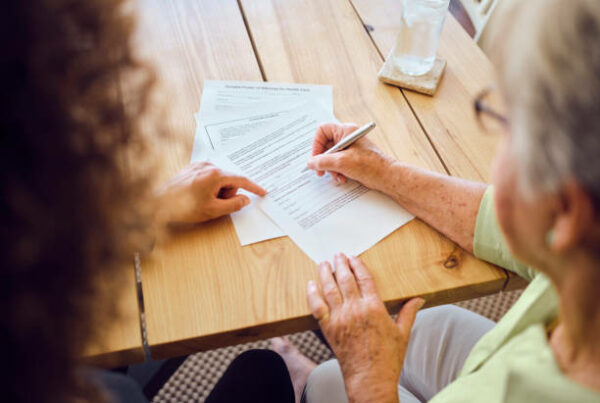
120, 343
201, 288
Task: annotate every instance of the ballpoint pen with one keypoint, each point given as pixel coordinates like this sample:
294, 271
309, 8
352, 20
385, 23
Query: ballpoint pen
351, 138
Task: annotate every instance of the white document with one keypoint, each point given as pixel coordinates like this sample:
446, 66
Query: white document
214, 131
228, 111
222, 97
222, 101
320, 216
251, 224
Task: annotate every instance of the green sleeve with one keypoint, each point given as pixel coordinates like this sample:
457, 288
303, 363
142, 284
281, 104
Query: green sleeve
489, 243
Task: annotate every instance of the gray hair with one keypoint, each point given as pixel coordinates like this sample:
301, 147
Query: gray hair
550, 74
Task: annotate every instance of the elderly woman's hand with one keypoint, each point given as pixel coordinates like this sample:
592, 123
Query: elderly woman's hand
363, 161
201, 192
369, 345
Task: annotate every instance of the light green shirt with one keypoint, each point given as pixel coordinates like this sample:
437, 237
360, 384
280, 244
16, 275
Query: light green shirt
513, 362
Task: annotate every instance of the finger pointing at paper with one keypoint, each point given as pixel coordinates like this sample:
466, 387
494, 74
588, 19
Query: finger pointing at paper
201, 192
363, 161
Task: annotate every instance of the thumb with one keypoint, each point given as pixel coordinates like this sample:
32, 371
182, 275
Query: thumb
323, 162
231, 205
406, 316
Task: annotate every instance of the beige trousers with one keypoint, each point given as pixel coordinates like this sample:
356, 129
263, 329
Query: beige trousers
440, 341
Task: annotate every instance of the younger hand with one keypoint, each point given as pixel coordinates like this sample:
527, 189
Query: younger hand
201, 192
362, 161
368, 344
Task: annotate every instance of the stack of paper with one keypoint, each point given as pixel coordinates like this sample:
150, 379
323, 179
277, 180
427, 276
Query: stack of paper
265, 132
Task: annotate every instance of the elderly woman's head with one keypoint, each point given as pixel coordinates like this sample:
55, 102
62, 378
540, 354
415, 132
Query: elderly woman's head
547, 172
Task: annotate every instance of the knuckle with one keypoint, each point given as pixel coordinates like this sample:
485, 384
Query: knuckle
363, 278
372, 305
319, 311
330, 292
342, 160
211, 212
343, 276
212, 172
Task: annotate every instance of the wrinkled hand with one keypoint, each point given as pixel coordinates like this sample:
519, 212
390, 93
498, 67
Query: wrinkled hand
368, 344
201, 192
362, 161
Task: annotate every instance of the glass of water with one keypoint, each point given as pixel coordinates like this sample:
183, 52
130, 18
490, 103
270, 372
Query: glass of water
420, 31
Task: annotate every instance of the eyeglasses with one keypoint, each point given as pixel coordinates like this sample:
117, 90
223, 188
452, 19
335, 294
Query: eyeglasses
487, 116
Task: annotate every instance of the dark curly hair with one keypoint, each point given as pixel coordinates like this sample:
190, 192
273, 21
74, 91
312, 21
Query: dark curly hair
70, 208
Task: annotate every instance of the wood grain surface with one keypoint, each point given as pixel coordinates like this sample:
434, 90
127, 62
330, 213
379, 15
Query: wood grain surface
120, 342
448, 117
201, 289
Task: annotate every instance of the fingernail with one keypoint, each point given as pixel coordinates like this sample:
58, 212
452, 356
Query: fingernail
421, 303
328, 267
